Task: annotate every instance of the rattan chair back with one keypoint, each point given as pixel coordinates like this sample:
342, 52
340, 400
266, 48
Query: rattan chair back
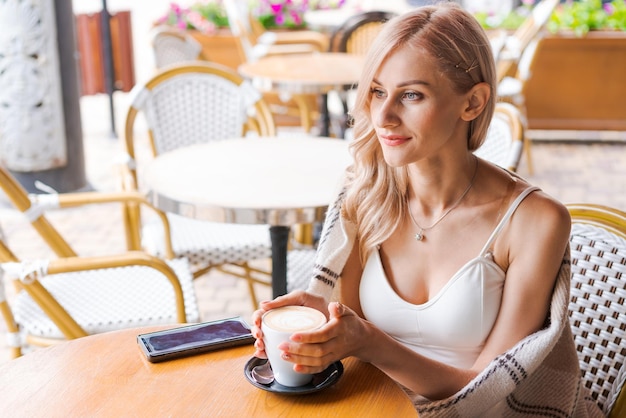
505, 138
194, 103
356, 34
597, 306
171, 46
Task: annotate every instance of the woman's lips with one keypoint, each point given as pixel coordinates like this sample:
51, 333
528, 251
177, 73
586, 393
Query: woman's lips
393, 140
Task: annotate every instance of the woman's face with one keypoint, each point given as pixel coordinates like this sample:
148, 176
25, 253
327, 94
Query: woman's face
414, 109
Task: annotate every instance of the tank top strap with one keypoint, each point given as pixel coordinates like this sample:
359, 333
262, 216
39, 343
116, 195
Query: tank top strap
506, 218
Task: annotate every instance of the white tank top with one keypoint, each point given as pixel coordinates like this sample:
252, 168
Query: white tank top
453, 325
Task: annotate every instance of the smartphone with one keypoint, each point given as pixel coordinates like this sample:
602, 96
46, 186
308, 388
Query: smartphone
194, 339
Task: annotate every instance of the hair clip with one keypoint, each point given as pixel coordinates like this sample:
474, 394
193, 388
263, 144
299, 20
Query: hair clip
473, 65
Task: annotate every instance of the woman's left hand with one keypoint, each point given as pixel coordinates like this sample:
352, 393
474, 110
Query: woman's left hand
342, 336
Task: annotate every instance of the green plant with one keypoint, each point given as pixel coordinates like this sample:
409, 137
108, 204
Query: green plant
585, 15
509, 22
578, 16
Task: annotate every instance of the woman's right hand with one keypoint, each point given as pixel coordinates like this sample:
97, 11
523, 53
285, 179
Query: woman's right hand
295, 298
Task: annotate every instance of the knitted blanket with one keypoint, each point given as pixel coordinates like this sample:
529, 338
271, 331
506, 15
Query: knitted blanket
537, 377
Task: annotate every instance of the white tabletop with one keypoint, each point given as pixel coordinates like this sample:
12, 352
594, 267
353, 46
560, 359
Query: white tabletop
276, 181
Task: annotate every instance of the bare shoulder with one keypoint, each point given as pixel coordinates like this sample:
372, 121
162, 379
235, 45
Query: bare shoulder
543, 211
540, 227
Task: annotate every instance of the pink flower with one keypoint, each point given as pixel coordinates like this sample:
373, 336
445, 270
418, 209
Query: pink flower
279, 19
297, 18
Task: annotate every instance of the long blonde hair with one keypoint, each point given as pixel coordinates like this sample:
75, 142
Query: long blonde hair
376, 195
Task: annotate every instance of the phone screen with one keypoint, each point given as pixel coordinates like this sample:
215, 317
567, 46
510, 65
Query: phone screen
177, 342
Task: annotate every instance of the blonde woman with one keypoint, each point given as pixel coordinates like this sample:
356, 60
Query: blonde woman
453, 272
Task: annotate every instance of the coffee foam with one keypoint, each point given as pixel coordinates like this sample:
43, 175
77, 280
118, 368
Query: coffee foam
293, 319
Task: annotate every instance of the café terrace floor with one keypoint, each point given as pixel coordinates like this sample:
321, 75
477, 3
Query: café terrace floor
586, 168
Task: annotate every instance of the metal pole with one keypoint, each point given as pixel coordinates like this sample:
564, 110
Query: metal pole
109, 69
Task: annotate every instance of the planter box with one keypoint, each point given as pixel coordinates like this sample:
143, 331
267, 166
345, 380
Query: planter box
578, 83
221, 47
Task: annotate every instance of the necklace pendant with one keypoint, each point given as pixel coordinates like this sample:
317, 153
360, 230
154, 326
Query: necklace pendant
419, 236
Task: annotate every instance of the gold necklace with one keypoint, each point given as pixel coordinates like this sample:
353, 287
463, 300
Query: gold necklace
420, 235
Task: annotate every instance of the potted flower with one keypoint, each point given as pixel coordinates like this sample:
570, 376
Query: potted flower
206, 16
207, 22
288, 14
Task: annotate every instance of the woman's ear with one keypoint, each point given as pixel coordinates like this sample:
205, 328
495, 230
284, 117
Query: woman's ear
477, 99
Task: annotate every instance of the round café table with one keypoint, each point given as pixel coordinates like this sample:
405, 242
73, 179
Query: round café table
107, 375
279, 181
313, 73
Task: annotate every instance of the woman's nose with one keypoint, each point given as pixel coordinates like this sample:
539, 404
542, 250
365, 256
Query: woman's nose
386, 114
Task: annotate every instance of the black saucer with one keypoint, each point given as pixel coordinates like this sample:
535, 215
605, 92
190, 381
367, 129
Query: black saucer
320, 381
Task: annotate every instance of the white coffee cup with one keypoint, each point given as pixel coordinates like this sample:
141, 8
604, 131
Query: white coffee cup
278, 325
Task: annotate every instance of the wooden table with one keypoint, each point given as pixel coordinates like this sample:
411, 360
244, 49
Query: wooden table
108, 375
280, 181
315, 73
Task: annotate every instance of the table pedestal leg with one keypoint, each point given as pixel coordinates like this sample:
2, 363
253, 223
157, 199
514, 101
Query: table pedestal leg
280, 239
325, 117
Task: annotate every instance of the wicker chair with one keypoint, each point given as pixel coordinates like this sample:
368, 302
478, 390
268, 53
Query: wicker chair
72, 296
354, 36
254, 42
515, 58
171, 46
515, 44
505, 138
597, 302
183, 105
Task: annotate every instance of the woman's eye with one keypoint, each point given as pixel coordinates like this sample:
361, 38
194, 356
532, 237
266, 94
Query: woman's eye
378, 93
411, 95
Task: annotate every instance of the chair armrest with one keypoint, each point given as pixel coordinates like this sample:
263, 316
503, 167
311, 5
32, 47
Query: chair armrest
68, 200
131, 258
128, 198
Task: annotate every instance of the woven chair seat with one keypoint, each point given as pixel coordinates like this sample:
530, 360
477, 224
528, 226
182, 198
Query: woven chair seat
598, 310
110, 299
209, 243
300, 264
